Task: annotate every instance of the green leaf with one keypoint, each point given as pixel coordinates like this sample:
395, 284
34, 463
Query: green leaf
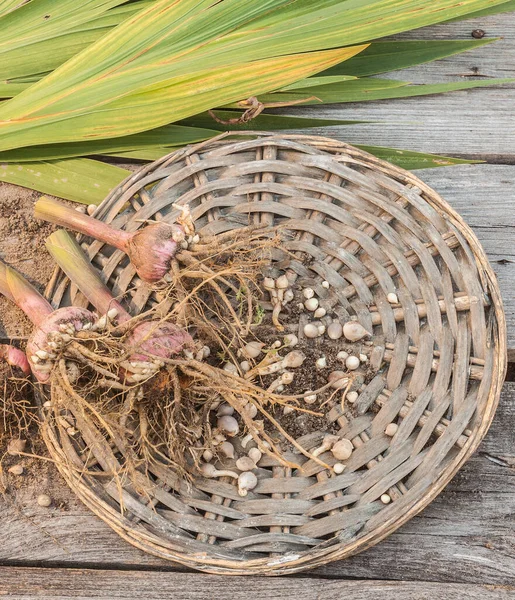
348, 91
32, 43
486, 12
361, 91
27, 78
146, 154
169, 135
264, 121
317, 81
114, 16
382, 57
42, 19
8, 90
6, 6
45, 55
304, 23
80, 180
407, 159
163, 137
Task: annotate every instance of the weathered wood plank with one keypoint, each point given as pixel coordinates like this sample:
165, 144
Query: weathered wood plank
466, 535
26, 583
475, 124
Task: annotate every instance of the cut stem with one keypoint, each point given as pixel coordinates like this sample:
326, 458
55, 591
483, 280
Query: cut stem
18, 290
150, 249
70, 257
60, 214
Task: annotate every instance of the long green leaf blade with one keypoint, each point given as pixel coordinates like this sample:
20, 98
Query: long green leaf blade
348, 91
145, 154
353, 92
196, 129
317, 81
8, 90
264, 122
81, 180
46, 49
169, 135
407, 159
486, 12
45, 55
6, 6
382, 57
34, 21
299, 24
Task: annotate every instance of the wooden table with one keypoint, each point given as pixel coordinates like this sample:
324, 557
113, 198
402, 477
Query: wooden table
463, 545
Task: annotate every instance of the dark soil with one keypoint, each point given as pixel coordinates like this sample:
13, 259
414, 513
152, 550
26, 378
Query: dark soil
22, 246
39, 476
306, 377
18, 420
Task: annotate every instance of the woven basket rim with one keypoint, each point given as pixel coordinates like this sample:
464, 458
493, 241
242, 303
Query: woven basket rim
311, 559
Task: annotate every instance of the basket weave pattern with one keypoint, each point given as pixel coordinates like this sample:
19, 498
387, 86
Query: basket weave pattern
437, 357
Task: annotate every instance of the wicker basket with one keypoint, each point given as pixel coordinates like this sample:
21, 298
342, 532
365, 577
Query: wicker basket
438, 356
